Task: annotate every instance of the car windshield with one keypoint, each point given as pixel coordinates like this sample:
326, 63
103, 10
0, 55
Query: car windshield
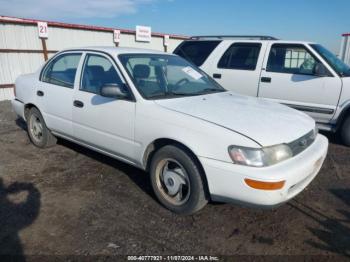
158, 76
338, 65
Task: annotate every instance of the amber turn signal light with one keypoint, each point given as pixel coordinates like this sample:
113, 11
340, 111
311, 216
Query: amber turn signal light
264, 185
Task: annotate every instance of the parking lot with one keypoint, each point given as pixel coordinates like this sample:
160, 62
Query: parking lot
69, 200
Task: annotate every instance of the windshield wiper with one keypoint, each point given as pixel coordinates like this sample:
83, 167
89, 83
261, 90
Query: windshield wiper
169, 94
179, 93
172, 93
209, 90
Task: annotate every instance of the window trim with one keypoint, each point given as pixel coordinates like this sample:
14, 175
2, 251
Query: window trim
52, 60
131, 97
240, 43
296, 45
81, 75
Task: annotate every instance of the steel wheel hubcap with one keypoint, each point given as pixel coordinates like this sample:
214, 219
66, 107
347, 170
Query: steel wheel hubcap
36, 128
172, 181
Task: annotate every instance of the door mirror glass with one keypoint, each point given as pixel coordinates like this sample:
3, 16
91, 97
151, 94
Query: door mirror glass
114, 91
320, 70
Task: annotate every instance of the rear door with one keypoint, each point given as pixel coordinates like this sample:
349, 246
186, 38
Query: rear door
103, 122
289, 78
55, 92
237, 66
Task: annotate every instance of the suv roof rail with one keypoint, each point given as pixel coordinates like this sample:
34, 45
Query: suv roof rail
247, 37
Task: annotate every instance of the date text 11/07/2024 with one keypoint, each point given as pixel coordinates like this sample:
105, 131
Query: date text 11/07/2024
173, 258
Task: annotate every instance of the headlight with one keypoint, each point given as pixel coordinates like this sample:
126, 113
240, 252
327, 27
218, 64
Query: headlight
259, 157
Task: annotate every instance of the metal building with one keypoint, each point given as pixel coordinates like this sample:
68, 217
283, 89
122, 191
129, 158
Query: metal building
22, 51
344, 53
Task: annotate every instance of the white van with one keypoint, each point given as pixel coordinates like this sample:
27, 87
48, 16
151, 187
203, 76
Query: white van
302, 75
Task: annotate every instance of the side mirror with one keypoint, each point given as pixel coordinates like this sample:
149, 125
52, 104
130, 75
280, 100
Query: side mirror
320, 70
114, 91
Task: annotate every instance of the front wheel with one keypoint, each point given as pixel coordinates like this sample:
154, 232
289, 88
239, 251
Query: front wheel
38, 133
176, 180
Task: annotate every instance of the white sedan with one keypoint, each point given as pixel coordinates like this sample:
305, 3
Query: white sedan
160, 113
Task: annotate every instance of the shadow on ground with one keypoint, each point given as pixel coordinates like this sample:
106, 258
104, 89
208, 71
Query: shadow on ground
19, 207
335, 233
138, 176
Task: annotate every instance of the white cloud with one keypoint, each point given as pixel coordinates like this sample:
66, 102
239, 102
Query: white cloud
58, 9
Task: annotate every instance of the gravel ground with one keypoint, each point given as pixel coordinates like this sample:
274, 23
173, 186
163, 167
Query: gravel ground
68, 200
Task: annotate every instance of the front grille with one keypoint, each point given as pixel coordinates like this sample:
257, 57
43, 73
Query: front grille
299, 145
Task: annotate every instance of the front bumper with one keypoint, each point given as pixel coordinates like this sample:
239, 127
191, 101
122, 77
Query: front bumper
226, 180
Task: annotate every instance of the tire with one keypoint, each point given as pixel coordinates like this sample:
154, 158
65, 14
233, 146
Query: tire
38, 133
345, 131
172, 166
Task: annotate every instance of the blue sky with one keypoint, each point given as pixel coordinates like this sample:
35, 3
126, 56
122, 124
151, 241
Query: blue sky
314, 20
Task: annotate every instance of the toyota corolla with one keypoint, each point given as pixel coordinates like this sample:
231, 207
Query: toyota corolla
158, 112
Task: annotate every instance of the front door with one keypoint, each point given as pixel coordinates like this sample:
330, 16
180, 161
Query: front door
289, 78
102, 122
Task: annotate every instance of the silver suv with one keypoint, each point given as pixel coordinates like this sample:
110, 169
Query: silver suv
302, 75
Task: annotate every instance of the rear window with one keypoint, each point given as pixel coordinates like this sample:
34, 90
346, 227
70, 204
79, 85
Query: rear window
196, 52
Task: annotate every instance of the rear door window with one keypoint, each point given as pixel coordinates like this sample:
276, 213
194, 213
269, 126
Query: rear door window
196, 52
241, 56
61, 71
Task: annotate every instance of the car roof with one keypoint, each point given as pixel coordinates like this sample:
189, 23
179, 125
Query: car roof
116, 50
251, 41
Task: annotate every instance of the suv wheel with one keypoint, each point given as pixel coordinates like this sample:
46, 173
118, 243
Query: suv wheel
345, 131
38, 133
176, 180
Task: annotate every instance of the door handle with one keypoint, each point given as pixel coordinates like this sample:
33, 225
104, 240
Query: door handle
217, 76
266, 79
40, 93
78, 103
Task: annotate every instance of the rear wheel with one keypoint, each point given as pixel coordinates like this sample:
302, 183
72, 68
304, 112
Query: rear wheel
38, 133
176, 180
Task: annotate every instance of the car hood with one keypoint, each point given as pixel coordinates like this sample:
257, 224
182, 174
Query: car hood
265, 122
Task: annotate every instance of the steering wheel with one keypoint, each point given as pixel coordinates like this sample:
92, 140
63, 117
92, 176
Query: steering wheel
181, 82
307, 66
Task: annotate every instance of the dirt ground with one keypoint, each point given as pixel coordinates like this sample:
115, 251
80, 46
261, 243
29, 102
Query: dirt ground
68, 200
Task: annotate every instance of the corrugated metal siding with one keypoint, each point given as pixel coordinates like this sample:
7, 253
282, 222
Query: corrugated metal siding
60, 38
6, 93
25, 37
344, 53
15, 36
14, 64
